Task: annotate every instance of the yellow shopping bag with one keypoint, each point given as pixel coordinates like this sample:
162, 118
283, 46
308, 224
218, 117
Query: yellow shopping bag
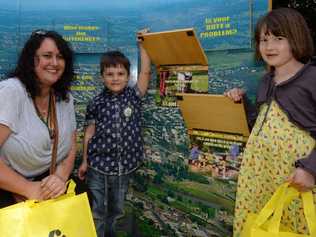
267, 222
66, 216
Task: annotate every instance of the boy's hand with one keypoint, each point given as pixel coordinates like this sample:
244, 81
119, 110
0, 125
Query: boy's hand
235, 94
82, 170
140, 33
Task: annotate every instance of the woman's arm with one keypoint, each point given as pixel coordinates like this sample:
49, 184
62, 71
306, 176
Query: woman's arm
55, 185
11, 180
66, 166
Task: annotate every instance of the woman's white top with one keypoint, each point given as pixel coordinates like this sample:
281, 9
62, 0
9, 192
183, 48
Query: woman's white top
28, 149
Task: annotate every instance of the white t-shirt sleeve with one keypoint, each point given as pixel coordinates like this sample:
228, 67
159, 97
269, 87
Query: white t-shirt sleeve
11, 98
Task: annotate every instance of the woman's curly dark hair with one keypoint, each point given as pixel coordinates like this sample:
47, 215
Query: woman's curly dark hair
25, 68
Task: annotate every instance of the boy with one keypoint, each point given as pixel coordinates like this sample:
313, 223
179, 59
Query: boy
113, 146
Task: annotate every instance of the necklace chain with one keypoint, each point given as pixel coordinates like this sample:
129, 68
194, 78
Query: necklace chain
44, 116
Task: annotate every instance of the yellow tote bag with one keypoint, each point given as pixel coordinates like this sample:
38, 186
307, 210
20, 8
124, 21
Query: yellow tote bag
66, 216
263, 225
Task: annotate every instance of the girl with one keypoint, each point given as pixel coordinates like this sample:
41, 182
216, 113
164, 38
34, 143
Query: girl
281, 145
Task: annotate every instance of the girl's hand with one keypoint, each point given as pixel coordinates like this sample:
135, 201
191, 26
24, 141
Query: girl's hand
235, 94
302, 180
52, 186
82, 170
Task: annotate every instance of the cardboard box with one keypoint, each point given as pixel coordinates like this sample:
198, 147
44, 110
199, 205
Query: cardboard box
217, 126
218, 132
181, 64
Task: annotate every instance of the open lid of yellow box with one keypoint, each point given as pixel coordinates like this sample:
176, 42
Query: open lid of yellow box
215, 113
176, 47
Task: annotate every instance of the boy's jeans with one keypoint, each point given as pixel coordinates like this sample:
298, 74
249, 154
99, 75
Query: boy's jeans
108, 193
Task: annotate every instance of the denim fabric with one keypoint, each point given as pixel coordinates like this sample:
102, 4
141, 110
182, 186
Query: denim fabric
108, 193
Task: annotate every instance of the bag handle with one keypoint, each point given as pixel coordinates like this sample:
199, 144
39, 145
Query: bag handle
309, 211
308, 207
288, 196
53, 124
71, 187
271, 205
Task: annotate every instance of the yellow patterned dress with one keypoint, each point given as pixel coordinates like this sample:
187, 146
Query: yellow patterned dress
273, 146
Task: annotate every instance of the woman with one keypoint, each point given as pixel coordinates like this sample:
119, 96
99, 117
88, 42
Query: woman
42, 76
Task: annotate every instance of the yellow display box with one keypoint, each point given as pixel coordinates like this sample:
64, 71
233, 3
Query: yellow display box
181, 64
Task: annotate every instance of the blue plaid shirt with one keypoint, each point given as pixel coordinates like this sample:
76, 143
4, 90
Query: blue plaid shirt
117, 145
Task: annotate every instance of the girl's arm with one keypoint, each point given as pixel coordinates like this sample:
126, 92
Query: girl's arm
304, 176
237, 95
302, 180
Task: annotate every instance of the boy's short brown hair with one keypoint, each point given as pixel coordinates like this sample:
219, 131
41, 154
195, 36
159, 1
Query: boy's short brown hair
113, 59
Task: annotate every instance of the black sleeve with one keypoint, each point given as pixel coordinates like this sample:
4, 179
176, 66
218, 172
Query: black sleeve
308, 163
251, 112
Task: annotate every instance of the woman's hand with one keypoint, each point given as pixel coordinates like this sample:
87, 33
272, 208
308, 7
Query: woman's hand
301, 180
82, 170
52, 186
33, 191
235, 94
